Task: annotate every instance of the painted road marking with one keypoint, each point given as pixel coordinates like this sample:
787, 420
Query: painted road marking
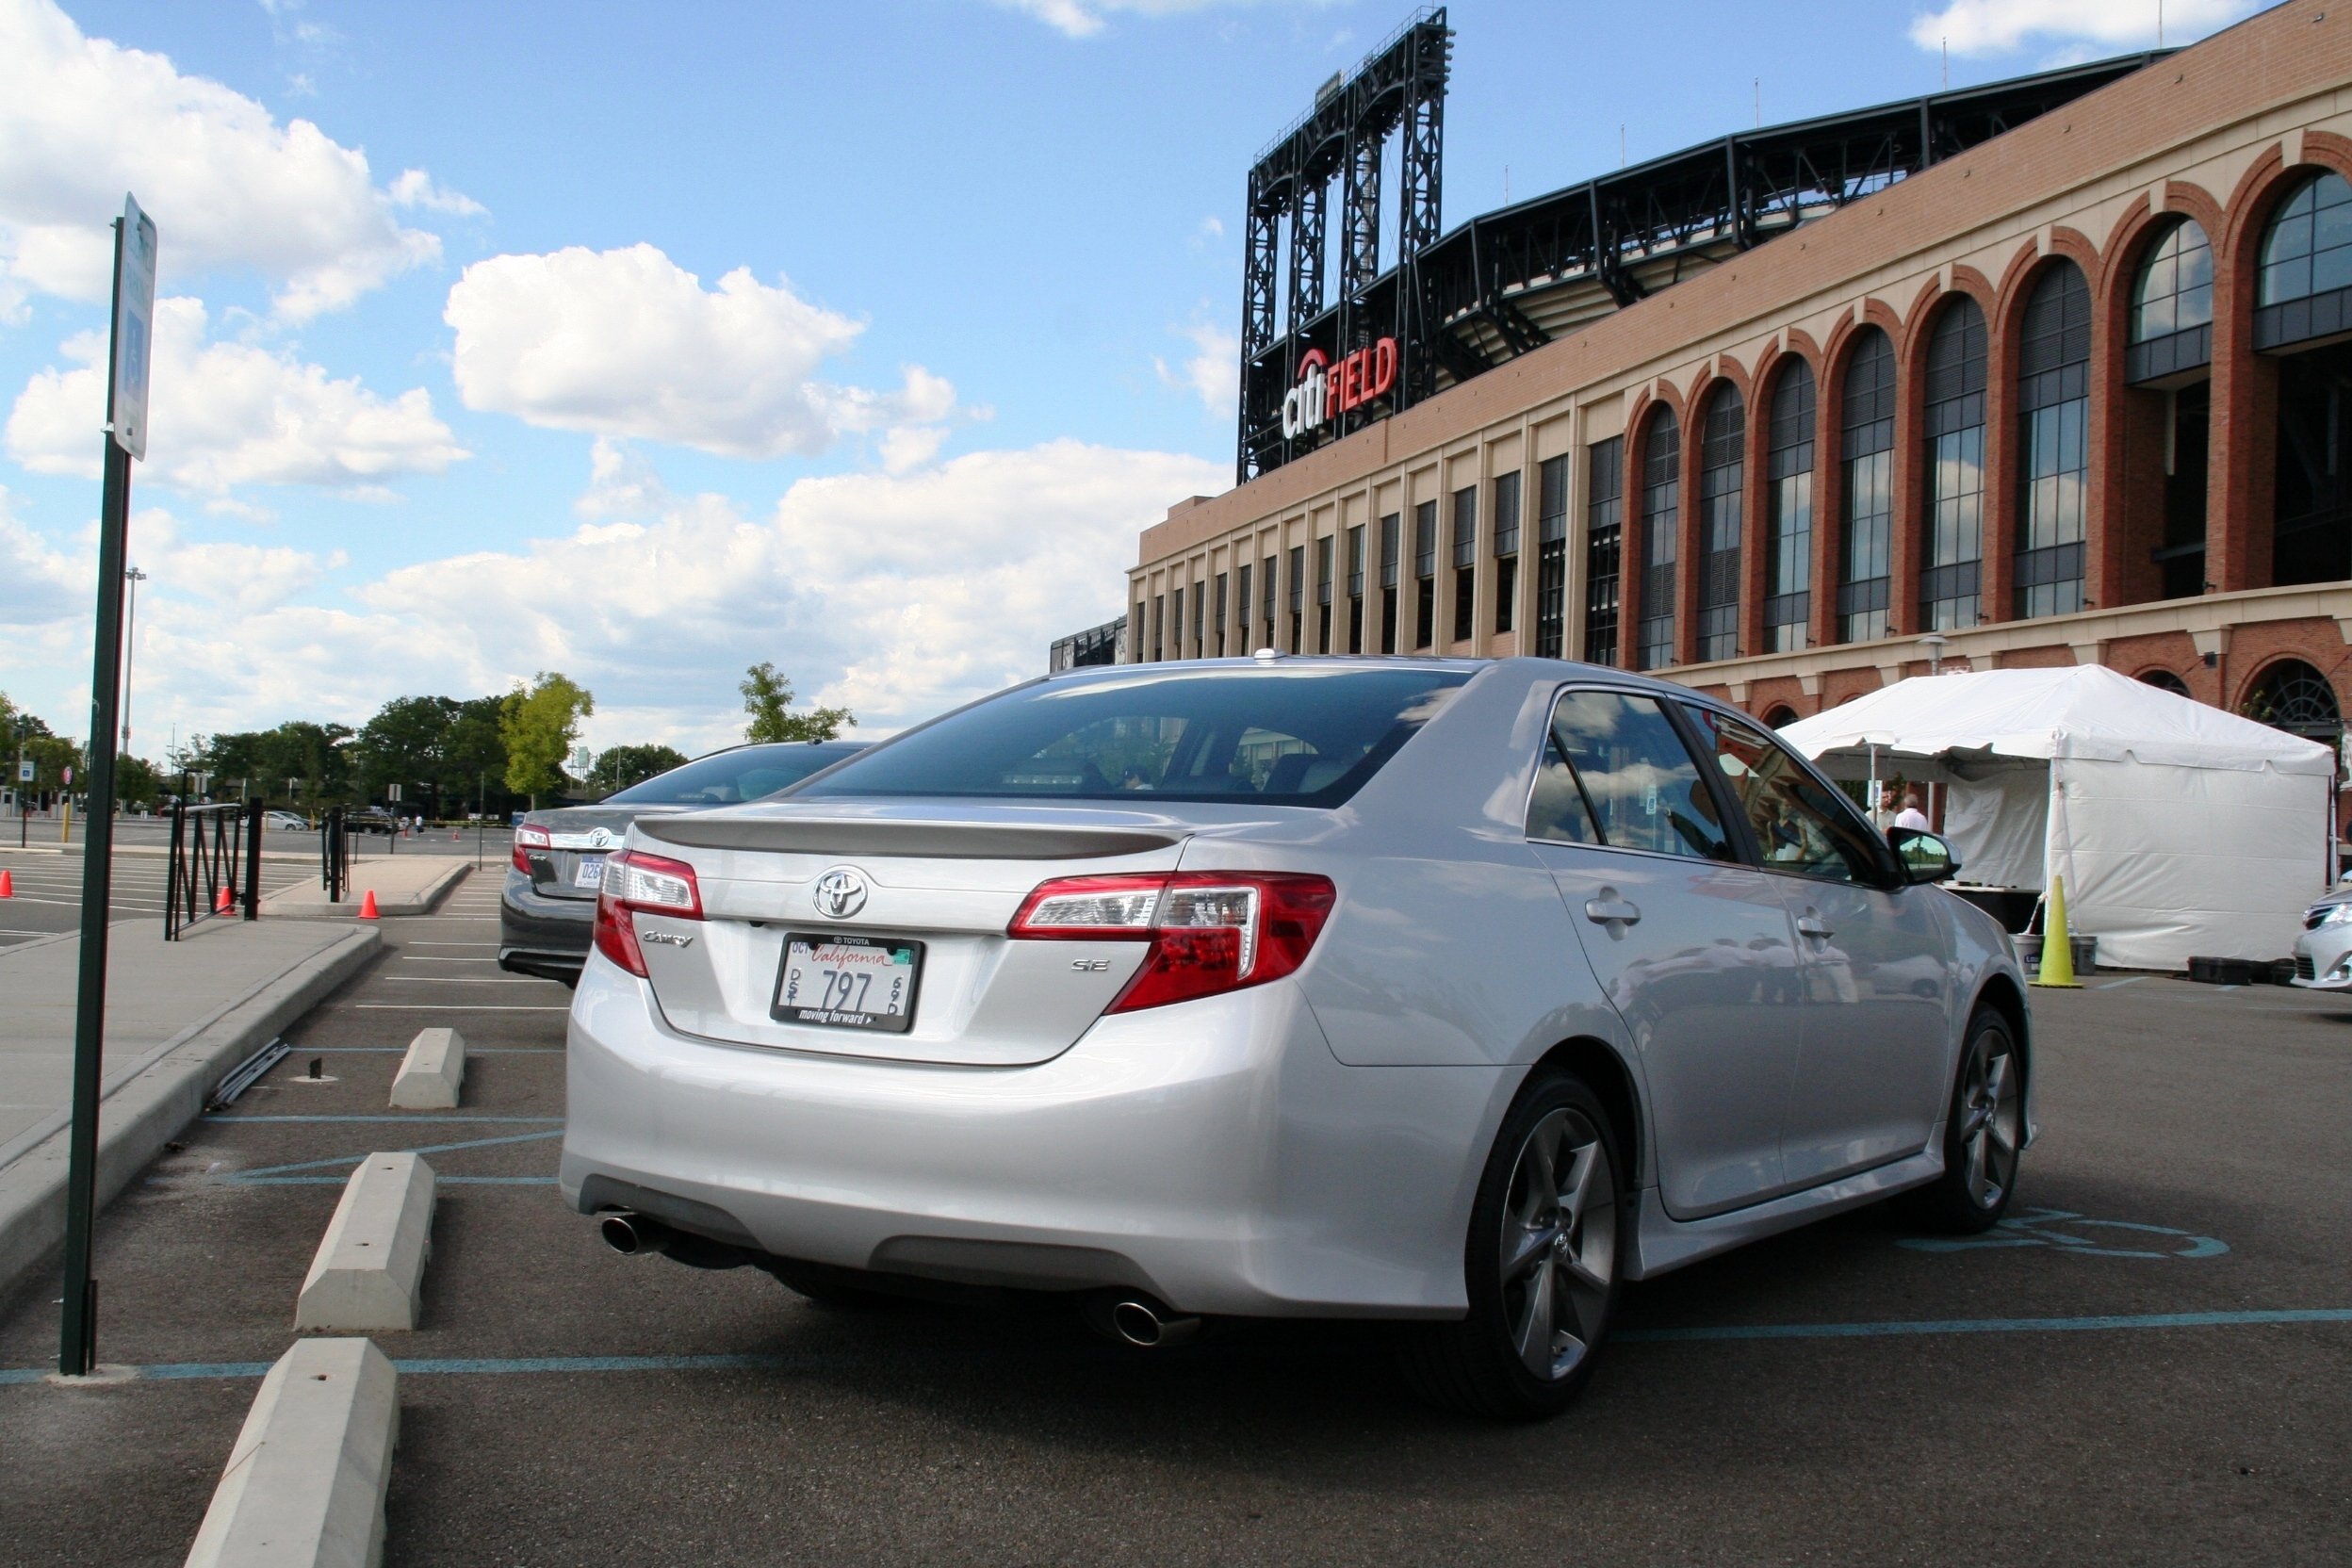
772, 1361
451, 1007
432, 1121
2040, 1228
2113, 984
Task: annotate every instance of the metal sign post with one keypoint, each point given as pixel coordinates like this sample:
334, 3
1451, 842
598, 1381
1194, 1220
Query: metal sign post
126, 438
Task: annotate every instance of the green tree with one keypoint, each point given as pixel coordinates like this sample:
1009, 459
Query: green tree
406, 743
621, 766
768, 698
477, 755
537, 724
137, 782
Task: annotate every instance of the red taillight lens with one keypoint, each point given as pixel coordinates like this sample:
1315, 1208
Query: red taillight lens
635, 880
1210, 931
528, 838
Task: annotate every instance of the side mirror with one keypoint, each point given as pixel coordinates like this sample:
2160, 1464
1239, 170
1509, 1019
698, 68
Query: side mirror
1925, 857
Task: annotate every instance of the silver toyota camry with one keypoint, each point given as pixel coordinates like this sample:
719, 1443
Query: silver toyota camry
1447, 991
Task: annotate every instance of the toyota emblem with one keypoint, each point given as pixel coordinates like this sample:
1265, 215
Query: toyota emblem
840, 893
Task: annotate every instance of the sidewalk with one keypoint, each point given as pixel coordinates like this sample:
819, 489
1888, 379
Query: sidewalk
179, 1016
403, 885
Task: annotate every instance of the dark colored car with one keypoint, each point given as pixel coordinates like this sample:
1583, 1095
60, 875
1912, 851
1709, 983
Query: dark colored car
547, 909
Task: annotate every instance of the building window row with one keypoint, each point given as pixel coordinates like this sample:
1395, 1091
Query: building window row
1909, 554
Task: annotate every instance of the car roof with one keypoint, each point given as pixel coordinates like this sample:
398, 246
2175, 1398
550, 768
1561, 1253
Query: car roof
1529, 666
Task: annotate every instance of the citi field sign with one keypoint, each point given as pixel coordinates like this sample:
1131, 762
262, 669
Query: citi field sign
1325, 388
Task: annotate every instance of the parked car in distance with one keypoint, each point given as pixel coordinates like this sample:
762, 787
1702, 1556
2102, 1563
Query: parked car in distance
285, 821
547, 906
371, 819
1446, 992
2323, 954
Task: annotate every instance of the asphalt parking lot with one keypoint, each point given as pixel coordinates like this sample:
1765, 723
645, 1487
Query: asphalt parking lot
46, 889
2152, 1365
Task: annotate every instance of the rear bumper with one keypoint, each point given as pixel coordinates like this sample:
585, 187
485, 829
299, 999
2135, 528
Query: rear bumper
1214, 1154
542, 935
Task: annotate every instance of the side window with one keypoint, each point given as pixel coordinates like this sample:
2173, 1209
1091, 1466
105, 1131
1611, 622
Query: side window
1639, 781
1558, 811
1798, 826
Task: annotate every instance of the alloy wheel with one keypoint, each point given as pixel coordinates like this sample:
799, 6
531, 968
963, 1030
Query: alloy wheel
1559, 1244
1991, 1120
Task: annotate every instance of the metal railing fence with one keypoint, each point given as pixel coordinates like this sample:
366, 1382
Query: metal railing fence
215, 868
334, 855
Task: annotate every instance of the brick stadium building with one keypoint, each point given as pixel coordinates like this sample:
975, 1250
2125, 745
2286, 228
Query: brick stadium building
2064, 377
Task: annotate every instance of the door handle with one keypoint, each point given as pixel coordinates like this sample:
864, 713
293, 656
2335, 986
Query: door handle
1810, 924
1603, 911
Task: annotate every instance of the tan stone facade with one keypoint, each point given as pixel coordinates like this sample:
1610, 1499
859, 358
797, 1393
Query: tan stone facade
2226, 134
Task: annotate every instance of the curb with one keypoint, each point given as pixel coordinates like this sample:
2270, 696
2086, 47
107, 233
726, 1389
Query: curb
421, 902
369, 1270
164, 1094
306, 1481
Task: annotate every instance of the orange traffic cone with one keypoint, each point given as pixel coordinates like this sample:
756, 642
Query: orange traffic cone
7, 885
223, 903
368, 905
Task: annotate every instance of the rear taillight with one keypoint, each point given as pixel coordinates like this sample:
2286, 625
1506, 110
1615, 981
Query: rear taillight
528, 838
635, 880
1210, 931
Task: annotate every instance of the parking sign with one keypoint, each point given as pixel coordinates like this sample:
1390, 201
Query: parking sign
134, 330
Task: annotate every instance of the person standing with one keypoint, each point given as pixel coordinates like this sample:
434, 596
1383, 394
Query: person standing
1913, 815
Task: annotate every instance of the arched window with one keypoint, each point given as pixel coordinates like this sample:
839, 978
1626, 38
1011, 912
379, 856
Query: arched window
2053, 442
1781, 716
2164, 680
2305, 287
1662, 520
1723, 467
1789, 534
2172, 305
2292, 696
1951, 575
1868, 415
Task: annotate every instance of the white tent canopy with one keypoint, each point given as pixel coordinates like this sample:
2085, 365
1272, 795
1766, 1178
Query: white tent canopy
2180, 829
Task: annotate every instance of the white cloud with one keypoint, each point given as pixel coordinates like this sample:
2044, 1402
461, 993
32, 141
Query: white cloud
1998, 26
897, 595
628, 343
82, 120
40, 585
1211, 372
1084, 18
415, 189
230, 414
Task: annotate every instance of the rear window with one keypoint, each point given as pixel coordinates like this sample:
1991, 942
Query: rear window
1308, 735
729, 777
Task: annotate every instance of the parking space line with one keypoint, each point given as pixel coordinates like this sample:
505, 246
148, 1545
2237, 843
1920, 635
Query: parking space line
2131, 980
1989, 1325
774, 1360
435, 1120
233, 1177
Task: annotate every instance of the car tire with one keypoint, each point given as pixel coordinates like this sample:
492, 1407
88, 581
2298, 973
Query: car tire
1984, 1134
1543, 1262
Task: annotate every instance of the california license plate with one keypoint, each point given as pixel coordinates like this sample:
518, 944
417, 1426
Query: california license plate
848, 982
591, 872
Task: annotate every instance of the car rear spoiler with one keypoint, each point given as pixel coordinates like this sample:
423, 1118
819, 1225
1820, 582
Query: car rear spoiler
953, 840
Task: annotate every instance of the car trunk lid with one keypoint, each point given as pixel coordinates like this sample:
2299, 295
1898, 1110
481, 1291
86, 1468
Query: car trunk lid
940, 880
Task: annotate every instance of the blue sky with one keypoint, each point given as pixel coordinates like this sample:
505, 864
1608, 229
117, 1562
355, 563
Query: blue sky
646, 341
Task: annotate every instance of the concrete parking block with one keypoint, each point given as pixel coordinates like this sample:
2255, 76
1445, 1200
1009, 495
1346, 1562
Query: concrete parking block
370, 1271
306, 1482
432, 1073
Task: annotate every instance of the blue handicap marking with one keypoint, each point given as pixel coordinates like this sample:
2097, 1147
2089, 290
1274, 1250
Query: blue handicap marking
2057, 1229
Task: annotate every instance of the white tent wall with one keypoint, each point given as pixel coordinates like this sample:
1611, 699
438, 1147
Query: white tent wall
2181, 830
1997, 820
2166, 862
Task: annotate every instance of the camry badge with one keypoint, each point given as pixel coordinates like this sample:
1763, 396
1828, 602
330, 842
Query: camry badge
840, 893
666, 938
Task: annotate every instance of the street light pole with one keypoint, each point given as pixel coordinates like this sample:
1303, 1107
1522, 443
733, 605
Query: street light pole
130, 645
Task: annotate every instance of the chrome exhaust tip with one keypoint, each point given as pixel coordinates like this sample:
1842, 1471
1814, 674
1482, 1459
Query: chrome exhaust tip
1149, 1328
631, 1235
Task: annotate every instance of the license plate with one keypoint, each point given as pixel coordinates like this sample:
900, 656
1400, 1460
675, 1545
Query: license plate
848, 982
591, 872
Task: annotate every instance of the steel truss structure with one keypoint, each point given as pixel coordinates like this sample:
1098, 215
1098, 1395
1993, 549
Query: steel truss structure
1512, 280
